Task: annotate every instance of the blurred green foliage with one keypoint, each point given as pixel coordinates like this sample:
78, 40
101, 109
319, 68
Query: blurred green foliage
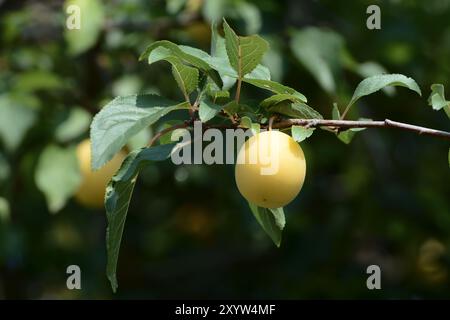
189, 234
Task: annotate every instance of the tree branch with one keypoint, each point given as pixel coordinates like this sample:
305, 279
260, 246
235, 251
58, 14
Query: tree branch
347, 124
163, 132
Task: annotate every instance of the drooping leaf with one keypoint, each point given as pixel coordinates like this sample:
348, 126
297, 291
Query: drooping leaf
319, 51
57, 175
208, 110
121, 119
187, 55
295, 110
375, 83
272, 223
91, 16
300, 133
23, 109
280, 219
118, 196
75, 124
348, 135
276, 87
244, 53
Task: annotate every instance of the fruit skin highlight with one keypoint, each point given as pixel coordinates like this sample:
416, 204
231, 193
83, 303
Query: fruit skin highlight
91, 192
270, 188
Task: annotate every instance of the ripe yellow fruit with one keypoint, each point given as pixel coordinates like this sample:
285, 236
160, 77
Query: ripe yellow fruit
91, 191
270, 169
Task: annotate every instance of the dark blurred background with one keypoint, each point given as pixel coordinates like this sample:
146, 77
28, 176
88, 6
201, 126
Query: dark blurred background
384, 199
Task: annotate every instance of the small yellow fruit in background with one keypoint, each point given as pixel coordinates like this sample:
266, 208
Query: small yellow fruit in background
270, 169
430, 261
91, 192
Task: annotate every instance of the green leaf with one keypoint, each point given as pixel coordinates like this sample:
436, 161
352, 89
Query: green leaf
449, 157
335, 114
5, 168
187, 55
121, 119
251, 15
246, 122
5, 211
37, 80
300, 133
57, 175
219, 61
280, 220
437, 98
319, 51
278, 98
208, 110
186, 77
174, 6
92, 16
275, 87
20, 109
215, 92
369, 69
375, 83
231, 108
244, 53
139, 140
271, 220
447, 111
76, 123
348, 135
296, 110
118, 196
213, 11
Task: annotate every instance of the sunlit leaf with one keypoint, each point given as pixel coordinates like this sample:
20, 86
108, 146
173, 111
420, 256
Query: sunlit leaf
208, 110
300, 133
276, 87
375, 83
278, 98
121, 119
437, 99
296, 110
244, 53
191, 56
